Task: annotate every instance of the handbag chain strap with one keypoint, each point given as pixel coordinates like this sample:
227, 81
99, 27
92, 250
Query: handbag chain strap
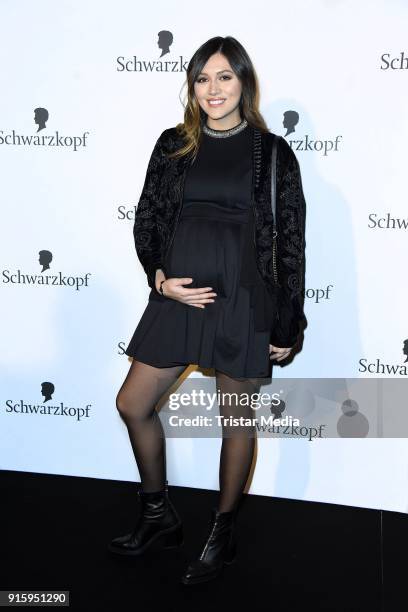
273, 205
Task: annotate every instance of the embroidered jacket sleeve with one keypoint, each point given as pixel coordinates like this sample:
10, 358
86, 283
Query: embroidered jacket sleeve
145, 231
291, 244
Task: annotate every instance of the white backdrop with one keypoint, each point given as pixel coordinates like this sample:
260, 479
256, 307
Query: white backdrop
70, 190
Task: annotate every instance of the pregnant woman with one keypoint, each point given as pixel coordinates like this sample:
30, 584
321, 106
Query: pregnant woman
203, 234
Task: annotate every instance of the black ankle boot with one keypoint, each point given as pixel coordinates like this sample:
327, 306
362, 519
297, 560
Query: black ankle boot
219, 548
158, 520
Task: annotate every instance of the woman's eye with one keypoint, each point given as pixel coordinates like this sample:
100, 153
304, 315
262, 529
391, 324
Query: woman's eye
223, 76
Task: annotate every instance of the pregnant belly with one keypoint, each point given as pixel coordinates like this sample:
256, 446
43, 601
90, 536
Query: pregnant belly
208, 251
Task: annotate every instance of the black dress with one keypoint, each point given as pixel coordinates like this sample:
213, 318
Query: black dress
214, 233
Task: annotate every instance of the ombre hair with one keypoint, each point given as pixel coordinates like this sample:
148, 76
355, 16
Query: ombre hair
194, 116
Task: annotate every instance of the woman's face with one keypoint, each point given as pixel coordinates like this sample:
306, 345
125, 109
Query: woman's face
219, 82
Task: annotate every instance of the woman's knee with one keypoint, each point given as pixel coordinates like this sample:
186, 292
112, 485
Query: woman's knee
122, 403
125, 405
131, 409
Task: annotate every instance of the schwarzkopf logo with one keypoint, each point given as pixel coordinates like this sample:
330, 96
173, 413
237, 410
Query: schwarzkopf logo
126, 213
58, 279
290, 120
56, 139
136, 64
394, 63
378, 367
47, 389
387, 222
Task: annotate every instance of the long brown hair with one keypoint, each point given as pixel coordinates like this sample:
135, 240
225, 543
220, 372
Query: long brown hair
194, 116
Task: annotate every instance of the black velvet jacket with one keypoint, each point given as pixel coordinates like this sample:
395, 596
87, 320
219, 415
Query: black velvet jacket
161, 202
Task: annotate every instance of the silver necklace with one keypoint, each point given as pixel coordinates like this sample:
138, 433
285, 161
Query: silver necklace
225, 133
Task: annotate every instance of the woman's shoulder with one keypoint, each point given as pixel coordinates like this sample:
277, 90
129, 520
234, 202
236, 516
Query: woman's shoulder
282, 144
285, 152
170, 138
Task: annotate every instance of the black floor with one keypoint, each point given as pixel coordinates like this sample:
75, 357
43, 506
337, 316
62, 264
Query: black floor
292, 555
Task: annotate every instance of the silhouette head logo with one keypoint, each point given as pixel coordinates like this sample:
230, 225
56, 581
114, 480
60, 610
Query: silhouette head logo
40, 117
405, 349
47, 389
352, 423
165, 41
45, 258
290, 119
278, 409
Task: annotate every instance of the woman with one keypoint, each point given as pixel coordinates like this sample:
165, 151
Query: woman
203, 234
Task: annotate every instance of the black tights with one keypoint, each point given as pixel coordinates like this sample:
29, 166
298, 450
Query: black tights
136, 401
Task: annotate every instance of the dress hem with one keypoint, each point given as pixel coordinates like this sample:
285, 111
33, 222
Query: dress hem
201, 365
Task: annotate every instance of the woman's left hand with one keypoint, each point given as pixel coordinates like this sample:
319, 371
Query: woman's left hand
277, 353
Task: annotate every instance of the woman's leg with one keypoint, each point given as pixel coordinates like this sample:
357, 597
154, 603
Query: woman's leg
238, 441
136, 401
235, 463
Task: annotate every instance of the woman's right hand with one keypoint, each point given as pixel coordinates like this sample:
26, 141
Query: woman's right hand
173, 288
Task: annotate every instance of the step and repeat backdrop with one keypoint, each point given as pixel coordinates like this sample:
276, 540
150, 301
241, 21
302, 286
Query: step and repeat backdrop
87, 88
